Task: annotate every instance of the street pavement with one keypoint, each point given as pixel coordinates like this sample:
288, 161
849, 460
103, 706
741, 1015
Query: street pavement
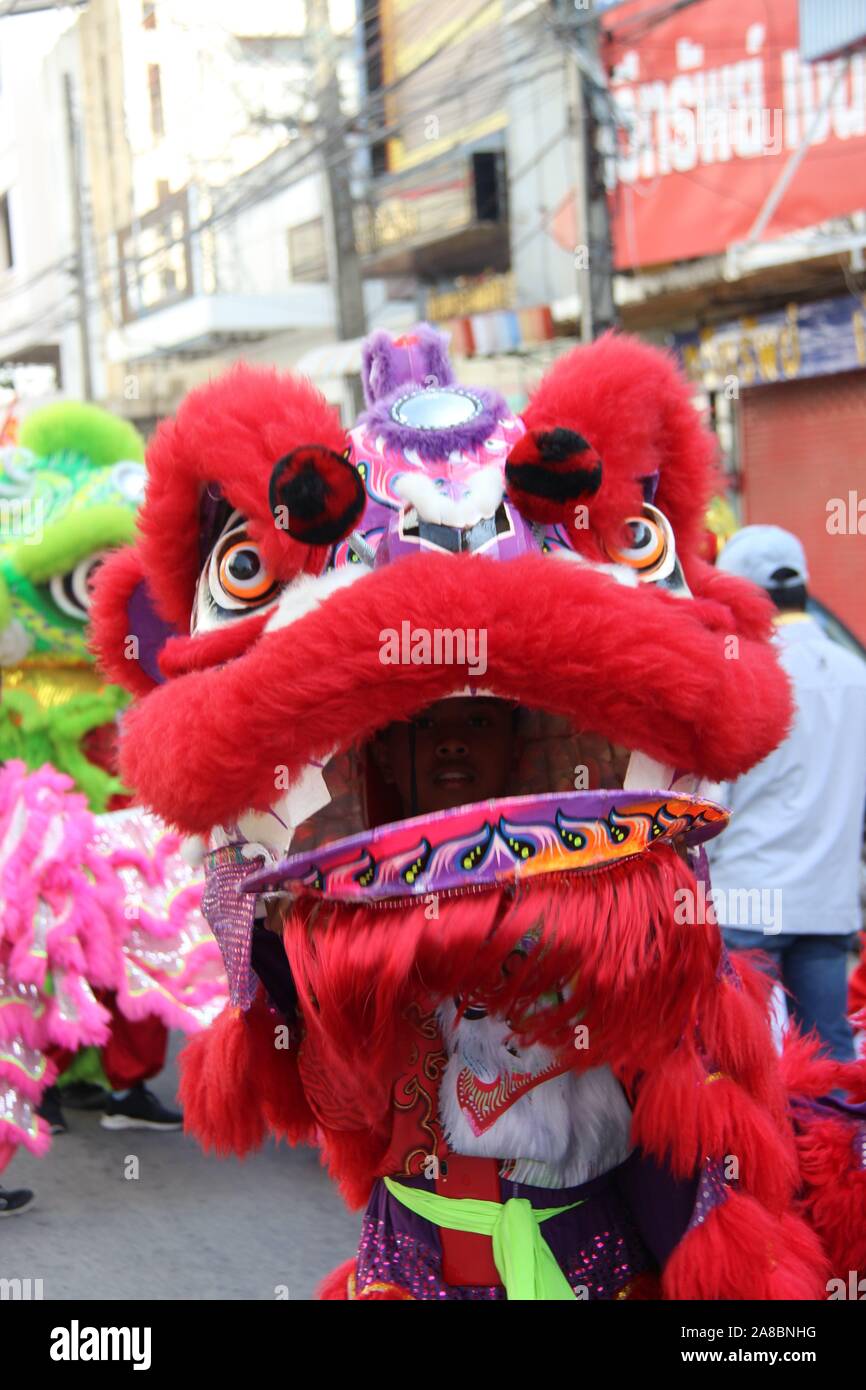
189, 1226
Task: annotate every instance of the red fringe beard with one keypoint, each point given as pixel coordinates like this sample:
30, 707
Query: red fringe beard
605, 952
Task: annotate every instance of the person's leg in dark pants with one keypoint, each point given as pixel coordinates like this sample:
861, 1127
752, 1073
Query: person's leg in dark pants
772, 944
814, 971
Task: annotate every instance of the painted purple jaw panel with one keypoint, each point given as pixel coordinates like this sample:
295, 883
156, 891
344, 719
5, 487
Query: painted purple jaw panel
491, 842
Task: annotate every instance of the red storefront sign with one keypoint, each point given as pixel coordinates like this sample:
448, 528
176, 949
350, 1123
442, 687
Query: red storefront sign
712, 103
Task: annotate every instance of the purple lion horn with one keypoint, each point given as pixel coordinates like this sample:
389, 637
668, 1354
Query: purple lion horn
419, 357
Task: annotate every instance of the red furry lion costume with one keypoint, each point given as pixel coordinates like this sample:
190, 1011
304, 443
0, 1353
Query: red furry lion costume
501, 1033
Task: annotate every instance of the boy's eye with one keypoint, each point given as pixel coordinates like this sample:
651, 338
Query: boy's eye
479, 721
422, 721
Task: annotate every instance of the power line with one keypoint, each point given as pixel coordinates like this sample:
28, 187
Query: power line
295, 171
269, 188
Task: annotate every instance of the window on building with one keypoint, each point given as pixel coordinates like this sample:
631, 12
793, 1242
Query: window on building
373, 49
156, 257
7, 257
308, 257
148, 15
379, 159
154, 82
487, 185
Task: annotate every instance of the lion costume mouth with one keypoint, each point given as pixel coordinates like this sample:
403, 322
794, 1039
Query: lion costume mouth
546, 954
300, 692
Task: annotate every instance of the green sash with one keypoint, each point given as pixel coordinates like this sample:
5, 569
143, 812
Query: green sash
526, 1263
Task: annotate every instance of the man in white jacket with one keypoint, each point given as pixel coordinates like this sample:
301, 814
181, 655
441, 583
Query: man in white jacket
797, 825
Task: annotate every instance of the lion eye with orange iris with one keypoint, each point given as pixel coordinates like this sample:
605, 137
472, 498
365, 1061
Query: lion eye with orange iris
644, 548
238, 577
648, 548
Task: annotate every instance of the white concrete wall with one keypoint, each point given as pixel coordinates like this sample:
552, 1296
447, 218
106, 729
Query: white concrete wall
253, 249
213, 97
37, 302
541, 158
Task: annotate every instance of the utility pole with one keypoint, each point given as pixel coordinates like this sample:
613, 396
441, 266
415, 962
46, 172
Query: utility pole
590, 123
343, 260
75, 191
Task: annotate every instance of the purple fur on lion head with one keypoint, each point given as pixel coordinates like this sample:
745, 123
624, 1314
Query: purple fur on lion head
394, 369
419, 357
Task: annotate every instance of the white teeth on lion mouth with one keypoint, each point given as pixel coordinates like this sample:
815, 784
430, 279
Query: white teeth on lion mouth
645, 774
692, 785
273, 831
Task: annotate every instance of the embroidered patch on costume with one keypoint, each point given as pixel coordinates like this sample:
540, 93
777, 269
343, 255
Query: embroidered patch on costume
483, 1102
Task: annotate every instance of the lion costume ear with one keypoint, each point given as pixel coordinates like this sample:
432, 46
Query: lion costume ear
127, 633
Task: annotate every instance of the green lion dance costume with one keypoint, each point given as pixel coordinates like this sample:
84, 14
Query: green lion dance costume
68, 494
102, 944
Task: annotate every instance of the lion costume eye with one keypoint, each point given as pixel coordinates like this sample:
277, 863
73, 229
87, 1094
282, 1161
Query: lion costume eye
647, 548
650, 551
71, 591
238, 577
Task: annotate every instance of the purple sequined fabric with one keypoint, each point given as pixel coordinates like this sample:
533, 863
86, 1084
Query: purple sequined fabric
712, 1191
230, 916
596, 1244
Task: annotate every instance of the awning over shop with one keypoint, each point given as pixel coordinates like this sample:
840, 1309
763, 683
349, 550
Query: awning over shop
331, 361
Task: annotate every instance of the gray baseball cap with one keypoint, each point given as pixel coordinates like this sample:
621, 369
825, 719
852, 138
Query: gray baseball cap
757, 552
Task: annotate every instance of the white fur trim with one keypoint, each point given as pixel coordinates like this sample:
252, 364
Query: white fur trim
621, 573
309, 592
484, 492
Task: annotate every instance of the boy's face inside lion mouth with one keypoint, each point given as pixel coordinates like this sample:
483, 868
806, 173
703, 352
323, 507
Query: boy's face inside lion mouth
456, 751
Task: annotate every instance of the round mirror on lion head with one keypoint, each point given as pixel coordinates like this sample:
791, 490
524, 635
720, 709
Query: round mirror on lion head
436, 408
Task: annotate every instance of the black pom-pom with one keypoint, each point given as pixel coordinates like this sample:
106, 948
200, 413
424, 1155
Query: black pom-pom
316, 495
548, 471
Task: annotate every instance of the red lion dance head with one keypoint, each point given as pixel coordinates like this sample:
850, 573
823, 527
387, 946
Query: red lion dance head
487, 973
